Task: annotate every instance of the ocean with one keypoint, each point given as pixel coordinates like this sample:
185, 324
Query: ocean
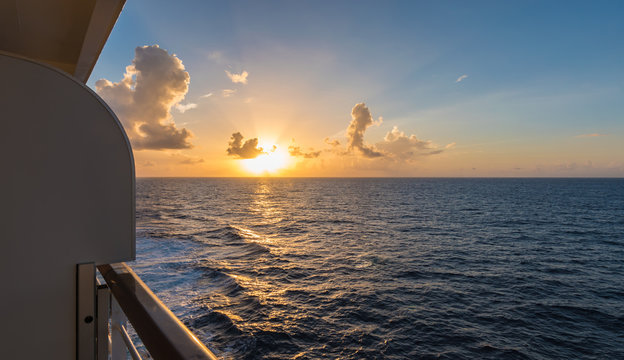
289, 268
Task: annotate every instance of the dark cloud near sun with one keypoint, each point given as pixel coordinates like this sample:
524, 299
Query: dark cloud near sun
155, 82
361, 119
244, 150
296, 151
332, 142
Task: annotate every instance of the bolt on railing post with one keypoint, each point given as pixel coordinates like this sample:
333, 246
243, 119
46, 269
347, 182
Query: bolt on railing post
85, 311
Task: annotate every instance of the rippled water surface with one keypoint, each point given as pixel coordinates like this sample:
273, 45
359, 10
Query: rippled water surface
389, 268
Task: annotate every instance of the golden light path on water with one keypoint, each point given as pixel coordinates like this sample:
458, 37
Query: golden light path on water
359, 268
269, 211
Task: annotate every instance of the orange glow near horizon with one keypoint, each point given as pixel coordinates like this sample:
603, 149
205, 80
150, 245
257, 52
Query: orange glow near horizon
271, 162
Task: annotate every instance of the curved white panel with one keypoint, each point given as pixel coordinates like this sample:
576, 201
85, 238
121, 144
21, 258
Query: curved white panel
67, 197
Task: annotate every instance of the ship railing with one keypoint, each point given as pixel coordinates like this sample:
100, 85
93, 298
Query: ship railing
125, 298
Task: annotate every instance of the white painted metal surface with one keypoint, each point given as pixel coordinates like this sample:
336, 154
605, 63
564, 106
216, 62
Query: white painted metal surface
66, 197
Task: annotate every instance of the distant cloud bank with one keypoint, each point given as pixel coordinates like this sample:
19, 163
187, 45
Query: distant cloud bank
296, 151
155, 82
590, 135
396, 146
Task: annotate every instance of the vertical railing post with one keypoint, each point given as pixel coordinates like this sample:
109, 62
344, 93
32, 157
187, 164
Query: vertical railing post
85, 312
103, 319
118, 321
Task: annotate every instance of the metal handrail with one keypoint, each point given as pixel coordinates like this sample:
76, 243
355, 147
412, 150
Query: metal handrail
162, 333
134, 353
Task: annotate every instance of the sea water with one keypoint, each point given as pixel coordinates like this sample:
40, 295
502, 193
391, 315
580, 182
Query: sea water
273, 268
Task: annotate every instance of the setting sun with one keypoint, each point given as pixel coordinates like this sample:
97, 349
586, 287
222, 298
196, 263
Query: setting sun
269, 162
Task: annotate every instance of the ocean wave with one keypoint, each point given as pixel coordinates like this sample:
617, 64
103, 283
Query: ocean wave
388, 268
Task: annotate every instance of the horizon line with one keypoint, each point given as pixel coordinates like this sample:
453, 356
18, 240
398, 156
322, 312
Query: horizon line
380, 177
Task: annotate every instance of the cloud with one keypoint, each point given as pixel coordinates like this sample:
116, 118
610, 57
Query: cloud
206, 95
589, 135
186, 160
573, 166
459, 79
247, 150
335, 147
332, 143
361, 119
399, 145
185, 107
238, 78
296, 152
396, 150
216, 55
228, 92
154, 83
587, 168
396, 145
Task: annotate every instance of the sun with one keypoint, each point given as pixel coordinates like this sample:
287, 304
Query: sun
270, 162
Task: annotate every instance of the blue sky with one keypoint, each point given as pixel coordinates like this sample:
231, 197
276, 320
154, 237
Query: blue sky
536, 79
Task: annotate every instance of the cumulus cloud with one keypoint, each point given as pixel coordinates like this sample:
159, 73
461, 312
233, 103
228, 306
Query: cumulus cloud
238, 78
244, 150
361, 119
296, 151
399, 145
459, 79
206, 95
155, 82
396, 147
184, 107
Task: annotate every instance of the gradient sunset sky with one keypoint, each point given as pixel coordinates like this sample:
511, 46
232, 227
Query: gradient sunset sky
369, 88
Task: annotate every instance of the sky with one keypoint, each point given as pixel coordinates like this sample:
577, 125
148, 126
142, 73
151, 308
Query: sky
369, 88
